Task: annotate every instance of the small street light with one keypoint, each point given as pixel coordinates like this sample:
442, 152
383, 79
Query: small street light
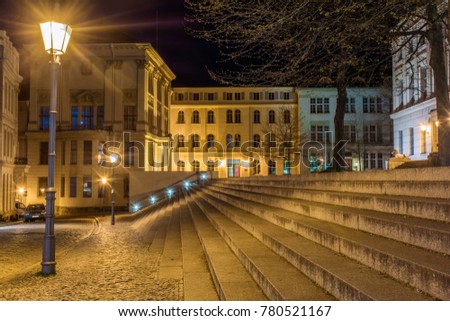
114, 158
56, 37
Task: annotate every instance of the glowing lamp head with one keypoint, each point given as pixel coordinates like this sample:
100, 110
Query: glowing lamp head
113, 158
170, 192
153, 199
56, 37
423, 127
135, 207
204, 176
21, 190
104, 180
187, 184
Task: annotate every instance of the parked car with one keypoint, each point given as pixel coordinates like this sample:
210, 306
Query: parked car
34, 212
20, 209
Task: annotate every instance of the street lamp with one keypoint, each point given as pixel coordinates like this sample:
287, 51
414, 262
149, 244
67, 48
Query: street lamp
56, 37
114, 158
21, 192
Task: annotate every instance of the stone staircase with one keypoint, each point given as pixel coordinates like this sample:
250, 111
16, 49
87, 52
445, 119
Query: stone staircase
345, 236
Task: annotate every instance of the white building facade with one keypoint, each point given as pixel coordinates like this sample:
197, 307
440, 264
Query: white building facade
9, 92
367, 126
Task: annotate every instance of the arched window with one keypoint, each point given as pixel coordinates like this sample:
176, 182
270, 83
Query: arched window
195, 117
256, 141
180, 142
195, 165
210, 140
211, 166
180, 166
237, 140
229, 141
229, 116
256, 117
237, 116
180, 117
287, 117
271, 117
272, 167
195, 140
210, 117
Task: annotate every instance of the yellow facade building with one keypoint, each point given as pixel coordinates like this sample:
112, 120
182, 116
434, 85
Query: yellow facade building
235, 131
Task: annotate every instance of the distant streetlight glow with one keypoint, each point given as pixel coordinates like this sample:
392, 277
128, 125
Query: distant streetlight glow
153, 199
104, 180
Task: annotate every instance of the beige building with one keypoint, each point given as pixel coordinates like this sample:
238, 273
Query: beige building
118, 94
235, 131
9, 92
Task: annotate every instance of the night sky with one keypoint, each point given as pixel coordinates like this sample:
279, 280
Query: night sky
159, 22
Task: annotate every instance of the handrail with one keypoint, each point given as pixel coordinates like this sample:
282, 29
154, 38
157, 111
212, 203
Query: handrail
163, 193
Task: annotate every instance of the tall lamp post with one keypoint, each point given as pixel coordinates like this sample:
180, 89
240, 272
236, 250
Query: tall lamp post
56, 37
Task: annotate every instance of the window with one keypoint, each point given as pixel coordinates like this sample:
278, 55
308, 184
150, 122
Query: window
210, 117
379, 105
196, 96
271, 117
229, 141
256, 117
42, 185
44, 118
319, 133
195, 165
400, 142
373, 161
350, 105
73, 152
210, 140
237, 140
287, 117
100, 117
130, 117
74, 117
237, 96
411, 141
237, 116
255, 96
181, 166
229, 116
372, 104
271, 96
180, 97
87, 152
195, 141
350, 133
73, 187
272, 167
62, 192
228, 96
180, 117
180, 142
87, 187
380, 161
43, 153
256, 141
210, 96
87, 117
286, 95
370, 134
319, 105
210, 165
195, 117
63, 152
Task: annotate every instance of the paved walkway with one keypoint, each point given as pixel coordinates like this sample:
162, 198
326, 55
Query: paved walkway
113, 264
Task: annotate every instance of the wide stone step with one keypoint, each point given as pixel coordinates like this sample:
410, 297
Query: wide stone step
425, 270
428, 234
232, 280
344, 278
422, 189
198, 284
277, 277
426, 208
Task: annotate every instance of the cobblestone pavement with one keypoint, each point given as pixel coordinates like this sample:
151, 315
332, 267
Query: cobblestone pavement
112, 264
